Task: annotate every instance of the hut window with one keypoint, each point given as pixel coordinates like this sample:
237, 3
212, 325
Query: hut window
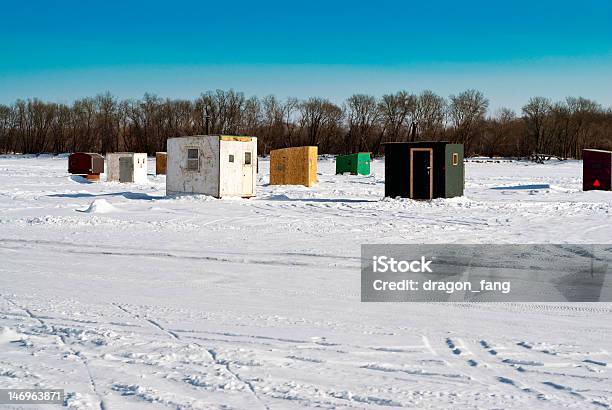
193, 159
247, 158
231, 158
455, 158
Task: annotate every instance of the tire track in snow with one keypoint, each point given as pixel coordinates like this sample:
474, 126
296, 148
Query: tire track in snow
149, 321
109, 251
82, 358
214, 356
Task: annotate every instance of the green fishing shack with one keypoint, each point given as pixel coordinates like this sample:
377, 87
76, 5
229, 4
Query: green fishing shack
354, 163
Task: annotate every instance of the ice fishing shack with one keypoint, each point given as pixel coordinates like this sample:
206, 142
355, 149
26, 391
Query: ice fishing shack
216, 165
356, 164
87, 164
423, 170
596, 170
294, 166
126, 167
160, 163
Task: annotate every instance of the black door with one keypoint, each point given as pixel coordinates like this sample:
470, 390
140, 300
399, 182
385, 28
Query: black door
421, 174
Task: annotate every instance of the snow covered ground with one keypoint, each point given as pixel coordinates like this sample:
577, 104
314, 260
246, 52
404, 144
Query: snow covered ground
128, 299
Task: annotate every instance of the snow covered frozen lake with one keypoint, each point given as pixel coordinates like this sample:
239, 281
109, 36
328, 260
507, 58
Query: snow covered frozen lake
128, 299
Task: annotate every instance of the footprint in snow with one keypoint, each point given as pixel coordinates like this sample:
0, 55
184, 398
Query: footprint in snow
452, 346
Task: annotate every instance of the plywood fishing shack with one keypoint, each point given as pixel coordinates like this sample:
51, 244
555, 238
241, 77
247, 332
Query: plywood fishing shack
161, 159
87, 164
126, 167
216, 165
294, 166
596, 170
356, 164
423, 170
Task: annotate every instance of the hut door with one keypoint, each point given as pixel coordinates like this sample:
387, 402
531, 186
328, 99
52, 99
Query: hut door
236, 172
126, 169
421, 173
247, 172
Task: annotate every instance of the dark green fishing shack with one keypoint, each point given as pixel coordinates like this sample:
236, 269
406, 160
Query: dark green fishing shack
424, 170
354, 163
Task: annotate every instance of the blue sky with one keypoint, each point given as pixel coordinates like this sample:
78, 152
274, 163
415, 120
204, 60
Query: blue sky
62, 50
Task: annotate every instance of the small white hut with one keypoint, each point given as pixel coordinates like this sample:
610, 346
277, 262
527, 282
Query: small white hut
126, 167
216, 165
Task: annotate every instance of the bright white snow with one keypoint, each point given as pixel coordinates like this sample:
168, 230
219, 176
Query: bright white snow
99, 206
147, 301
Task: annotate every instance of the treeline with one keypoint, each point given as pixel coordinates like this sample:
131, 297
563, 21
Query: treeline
362, 123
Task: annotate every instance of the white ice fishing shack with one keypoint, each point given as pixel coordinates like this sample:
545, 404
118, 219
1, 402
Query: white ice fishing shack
216, 165
126, 167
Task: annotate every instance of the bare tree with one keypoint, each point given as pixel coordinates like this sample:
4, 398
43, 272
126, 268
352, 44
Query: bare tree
585, 115
317, 116
536, 115
467, 113
362, 113
290, 107
6, 127
105, 123
429, 113
394, 110
502, 135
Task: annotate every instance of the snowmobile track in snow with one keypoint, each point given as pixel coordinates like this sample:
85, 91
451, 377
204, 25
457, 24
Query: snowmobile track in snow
211, 352
80, 355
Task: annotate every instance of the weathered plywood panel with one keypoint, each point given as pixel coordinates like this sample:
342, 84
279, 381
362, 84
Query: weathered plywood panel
112, 165
294, 166
312, 156
235, 138
204, 179
278, 166
160, 163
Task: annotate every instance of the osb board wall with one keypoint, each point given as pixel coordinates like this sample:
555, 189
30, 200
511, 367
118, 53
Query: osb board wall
160, 163
294, 166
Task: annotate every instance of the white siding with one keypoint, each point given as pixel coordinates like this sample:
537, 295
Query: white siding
237, 178
140, 168
203, 181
